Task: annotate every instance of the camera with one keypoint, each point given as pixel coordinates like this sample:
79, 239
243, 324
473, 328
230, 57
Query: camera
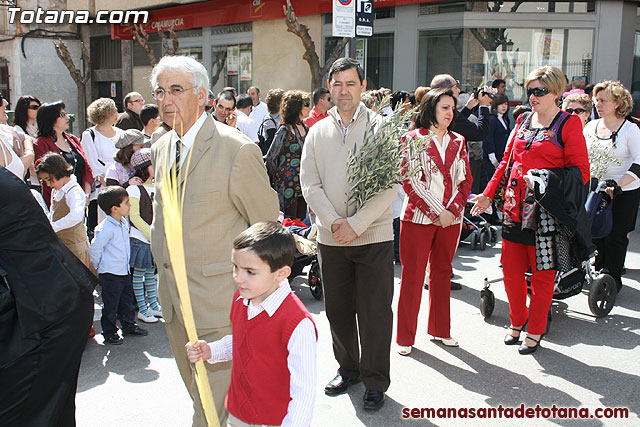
480, 91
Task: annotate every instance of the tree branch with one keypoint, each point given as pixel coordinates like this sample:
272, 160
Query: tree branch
142, 37
337, 51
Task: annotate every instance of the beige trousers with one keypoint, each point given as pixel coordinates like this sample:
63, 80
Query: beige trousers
219, 373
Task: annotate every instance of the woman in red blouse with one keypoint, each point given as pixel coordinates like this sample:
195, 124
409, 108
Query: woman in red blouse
436, 197
546, 138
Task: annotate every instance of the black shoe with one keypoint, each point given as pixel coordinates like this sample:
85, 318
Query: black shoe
137, 330
510, 339
113, 339
455, 286
525, 349
339, 385
373, 399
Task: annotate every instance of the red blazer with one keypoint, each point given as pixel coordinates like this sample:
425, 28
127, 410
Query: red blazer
435, 188
43, 145
545, 152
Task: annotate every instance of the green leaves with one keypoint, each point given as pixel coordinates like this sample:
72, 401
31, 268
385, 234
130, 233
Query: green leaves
378, 164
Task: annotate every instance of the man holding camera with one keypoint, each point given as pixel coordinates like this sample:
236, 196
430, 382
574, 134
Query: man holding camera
482, 98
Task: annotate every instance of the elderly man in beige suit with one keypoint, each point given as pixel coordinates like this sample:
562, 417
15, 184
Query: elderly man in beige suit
227, 190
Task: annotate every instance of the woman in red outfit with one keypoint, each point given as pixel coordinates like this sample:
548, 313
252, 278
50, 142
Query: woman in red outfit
432, 215
546, 138
53, 121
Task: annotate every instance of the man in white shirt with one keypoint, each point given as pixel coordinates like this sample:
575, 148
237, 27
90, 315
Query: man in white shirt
246, 124
259, 108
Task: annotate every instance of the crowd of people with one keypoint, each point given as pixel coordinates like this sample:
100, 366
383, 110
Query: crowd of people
250, 162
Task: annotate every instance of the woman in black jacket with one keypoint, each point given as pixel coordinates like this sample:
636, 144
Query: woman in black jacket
493, 147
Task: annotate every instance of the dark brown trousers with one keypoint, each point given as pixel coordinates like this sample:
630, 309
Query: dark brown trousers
358, 290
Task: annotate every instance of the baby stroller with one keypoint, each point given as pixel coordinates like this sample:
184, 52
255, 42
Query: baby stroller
477, 229
602, 289
306, 254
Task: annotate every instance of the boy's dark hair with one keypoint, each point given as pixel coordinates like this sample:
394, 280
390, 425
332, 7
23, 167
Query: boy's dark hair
111, 196
243, 101
519, 109
142, 173
343, 64
55, 165
427, 113
148, 112
273, 243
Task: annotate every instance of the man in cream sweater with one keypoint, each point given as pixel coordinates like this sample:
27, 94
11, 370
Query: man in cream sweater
355, 247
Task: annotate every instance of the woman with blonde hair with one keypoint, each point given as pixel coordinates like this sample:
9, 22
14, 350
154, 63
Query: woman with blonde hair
619, 140
546, 138
580, 105
99, 145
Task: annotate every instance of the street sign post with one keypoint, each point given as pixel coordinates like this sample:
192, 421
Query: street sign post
344, 17
364, 18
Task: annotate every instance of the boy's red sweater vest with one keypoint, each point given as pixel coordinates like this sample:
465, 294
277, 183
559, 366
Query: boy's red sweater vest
259, 391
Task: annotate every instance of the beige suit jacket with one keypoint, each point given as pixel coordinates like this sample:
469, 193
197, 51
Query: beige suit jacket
227, 190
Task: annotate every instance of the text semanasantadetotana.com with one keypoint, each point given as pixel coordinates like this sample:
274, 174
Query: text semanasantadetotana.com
516, 412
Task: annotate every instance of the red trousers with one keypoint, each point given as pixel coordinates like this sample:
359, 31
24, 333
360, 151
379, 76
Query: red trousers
416, 244
516, 260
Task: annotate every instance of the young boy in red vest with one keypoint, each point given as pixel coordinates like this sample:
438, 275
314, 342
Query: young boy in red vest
273, 345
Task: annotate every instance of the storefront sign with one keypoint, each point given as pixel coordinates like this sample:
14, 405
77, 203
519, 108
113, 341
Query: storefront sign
344, 18
364, 18
213, 13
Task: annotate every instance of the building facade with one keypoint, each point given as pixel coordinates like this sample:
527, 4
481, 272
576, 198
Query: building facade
245, 43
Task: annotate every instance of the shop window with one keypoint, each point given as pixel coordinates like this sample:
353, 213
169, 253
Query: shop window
232, 65
478, 56
193, 52
559, 6
375, 54
105, 53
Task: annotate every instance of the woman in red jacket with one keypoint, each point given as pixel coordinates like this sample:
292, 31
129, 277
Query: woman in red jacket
53, 121
546, 138
430, 226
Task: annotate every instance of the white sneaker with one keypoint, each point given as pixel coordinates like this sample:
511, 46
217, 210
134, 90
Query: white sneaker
156, 313
146, 317
404, 350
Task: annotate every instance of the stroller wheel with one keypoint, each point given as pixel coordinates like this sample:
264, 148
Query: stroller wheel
483, 240
602, 295
475, 240
487, 303
315, 280
493, 230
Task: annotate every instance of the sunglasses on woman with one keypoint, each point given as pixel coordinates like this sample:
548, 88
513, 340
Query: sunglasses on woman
33, 107
537, 91
575, 110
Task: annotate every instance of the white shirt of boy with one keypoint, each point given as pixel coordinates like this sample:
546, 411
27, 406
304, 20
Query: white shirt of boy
76, 200
301, 360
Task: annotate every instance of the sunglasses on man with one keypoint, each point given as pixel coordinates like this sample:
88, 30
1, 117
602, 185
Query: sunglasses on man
575, 110
537, 91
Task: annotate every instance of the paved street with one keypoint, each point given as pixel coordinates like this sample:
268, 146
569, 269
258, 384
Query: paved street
584, 362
